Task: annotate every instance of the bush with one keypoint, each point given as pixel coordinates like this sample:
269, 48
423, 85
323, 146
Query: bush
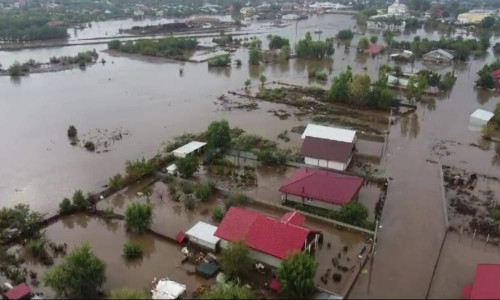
138, 217
218, 214
132, 250
354, 213
187, 187
16, 70
37, 247
235, 261
116, 182
90, 146
296, 275
114, 44
128, 293
203, 192
79, 201
187, 166
65, 207
138, 169
269, 157
236, 198
72, 131
189, 202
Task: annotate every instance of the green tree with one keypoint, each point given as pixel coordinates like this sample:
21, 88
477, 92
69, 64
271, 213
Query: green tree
80, 202
114, 44
80, 275
116, 182
360, 87
235, 261
16, 70
373, 39
278, 42
363, 44
417, 87
218, 135
138, 217
65, 207
340, 90
228, 291
128, 293
254, 56
388, 37
72, 132
285, 53
132, 250
296, 275
354, 213
248, 82
187, 166
345, 35
488, 22
262, 79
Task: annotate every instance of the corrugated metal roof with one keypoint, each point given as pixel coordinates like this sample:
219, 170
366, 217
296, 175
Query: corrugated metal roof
262, 233
330, 187
188, 148
327, 149
329, 133
204, 232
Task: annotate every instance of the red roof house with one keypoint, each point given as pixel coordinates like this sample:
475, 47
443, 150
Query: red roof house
496, 75
485, 284
323, 186
270, 240
374, 49
22, 291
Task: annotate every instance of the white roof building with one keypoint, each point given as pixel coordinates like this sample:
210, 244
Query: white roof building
203, 234
330, 133
168, 289
479, 118
188, 149
397, 8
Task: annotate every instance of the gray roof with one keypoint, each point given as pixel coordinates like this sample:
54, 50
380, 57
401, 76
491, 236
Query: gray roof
440, 52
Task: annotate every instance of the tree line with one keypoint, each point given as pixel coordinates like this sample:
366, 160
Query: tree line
29, 27
172, 47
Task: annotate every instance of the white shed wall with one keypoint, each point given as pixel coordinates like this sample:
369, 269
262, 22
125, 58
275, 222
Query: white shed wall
330, 164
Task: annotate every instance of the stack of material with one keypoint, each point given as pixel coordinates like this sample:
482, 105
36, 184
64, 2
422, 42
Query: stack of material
168, 289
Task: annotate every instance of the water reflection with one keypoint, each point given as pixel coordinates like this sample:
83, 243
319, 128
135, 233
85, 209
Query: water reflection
220, 71
483, 95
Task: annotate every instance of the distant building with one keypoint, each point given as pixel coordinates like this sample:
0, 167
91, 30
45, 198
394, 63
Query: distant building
328, 147
321, 188
474, 16
438, 56
138, 12
247, 11
374, 49
397, 8
269, 240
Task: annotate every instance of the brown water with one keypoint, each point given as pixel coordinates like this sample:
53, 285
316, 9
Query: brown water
154, 103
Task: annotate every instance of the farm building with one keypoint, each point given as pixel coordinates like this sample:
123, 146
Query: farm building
479, 118
374, 49
189, 148
202, 234
321, 188
270, 240
485, 285
328, 147
406, 55
438, 56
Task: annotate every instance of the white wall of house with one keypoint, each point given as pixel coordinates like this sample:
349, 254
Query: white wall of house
315, 203
330, 164
202, 243
257, 255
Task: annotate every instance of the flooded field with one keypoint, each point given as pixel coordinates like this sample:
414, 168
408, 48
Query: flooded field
149, 99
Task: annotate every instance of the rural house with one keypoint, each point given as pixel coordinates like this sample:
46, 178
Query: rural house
321, 188
328, 147
270, 240
438, 56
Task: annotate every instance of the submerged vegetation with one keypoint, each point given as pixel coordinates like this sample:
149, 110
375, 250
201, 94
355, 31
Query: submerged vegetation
307, 48
170, 47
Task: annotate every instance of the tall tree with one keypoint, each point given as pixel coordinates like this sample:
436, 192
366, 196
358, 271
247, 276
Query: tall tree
80, 275
296, 275
360, 87
363, 43
138, 217
340, 90
219, 135
254, 56
236, 261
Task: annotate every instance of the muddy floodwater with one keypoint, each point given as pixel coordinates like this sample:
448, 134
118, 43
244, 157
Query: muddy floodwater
153, 103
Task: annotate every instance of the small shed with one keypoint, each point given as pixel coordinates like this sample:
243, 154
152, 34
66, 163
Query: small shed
167, 289
202, 234
189, 148
374, 49
172, 169
479, 118
22, 291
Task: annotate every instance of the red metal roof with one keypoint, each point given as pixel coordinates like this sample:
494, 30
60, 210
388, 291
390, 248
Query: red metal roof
485, 284
327, 149
262, 233
22, 291
294, 217
496, 73
180, 237
331, 187
374, 49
